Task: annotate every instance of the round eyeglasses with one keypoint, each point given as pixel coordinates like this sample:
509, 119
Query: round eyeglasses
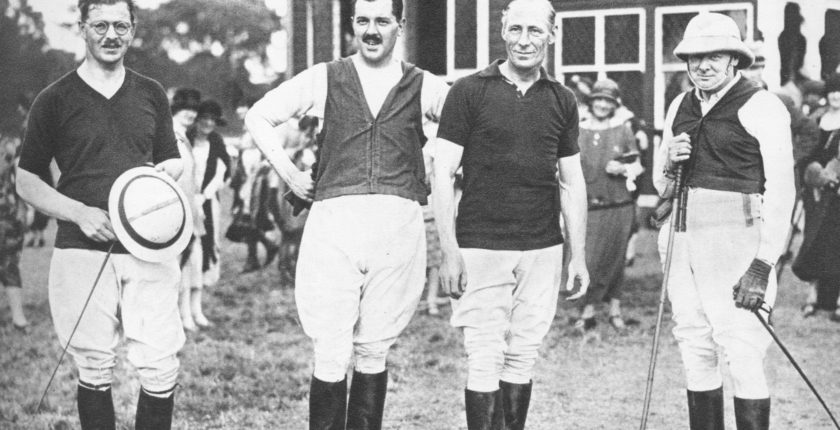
101, 27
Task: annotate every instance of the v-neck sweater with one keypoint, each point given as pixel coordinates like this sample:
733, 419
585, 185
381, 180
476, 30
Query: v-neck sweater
94, 139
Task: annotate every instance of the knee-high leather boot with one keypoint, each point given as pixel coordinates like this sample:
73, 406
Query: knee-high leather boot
752, 414
327, 404
154, 413
705, 409
96, 408
367, 401
484, 410
515, 401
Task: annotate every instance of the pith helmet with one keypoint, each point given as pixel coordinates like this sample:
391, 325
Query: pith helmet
713, 32
150, 214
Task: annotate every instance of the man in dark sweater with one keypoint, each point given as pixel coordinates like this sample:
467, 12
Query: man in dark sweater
514, 129
362, 258
734, 140
97, 122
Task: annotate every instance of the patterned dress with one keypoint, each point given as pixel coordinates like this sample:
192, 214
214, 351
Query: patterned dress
12, 213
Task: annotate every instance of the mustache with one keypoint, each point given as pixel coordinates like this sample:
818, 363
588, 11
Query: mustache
372, 38
111, 44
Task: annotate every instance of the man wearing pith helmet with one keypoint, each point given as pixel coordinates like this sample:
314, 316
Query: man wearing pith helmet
733, 140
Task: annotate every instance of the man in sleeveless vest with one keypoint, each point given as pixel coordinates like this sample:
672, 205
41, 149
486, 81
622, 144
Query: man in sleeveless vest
514, 129
361, 263
734, 141
97, 122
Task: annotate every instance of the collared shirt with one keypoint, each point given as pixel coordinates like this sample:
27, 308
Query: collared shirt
706, 106
512, 142
767, 119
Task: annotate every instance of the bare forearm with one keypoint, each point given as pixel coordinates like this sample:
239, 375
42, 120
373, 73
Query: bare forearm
574, 207
443, 204
573, 203
45, 198
262, 131
447, 158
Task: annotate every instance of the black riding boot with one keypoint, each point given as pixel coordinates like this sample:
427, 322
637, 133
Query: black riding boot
367, 401
752, 414
705, 409
327, 404
154, 413
515, 401
484, 410
96, 408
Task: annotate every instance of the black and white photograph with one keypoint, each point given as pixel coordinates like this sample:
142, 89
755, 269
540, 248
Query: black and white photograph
420, 214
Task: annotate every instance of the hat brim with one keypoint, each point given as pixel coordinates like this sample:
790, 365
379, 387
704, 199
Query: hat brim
709, 44
135, 244
220, 122
604, 96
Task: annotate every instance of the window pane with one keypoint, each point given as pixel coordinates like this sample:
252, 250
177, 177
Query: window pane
465, 35
630, 84
673, 27
578, 41
622, 39
740, 18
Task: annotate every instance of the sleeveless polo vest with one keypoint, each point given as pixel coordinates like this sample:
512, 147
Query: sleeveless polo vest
725, 156
362, 154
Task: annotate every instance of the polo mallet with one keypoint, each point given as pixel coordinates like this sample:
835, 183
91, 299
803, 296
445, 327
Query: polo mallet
79, 320
792, 361
677, 225
796, 217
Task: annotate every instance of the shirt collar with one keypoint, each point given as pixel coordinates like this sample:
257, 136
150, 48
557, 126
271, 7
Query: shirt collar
492, 70
720, 93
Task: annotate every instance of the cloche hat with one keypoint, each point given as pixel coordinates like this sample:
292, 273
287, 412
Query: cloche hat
605, 89
185, 99
211, 109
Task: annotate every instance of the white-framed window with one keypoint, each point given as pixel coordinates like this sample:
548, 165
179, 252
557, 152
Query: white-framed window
467, 37
670, 77
605, 43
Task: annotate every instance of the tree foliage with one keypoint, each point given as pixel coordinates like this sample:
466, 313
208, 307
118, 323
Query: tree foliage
212, 39
27, 64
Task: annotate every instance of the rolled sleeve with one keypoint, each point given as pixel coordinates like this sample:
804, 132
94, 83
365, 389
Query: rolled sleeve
663, 184
766, 118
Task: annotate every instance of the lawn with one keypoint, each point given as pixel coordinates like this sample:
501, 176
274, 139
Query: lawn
251, 371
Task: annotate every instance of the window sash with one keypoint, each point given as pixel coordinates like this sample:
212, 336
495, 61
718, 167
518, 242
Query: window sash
482, 10
661, 67
600, 65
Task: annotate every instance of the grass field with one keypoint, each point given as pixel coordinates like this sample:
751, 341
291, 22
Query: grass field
251, 371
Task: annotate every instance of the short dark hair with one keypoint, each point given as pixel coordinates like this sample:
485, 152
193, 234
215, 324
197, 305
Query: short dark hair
396, 8
84, 6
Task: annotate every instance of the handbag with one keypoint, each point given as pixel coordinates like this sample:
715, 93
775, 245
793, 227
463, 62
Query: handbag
241, 228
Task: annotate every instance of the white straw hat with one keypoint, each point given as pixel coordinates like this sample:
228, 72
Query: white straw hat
150, 214
713, 32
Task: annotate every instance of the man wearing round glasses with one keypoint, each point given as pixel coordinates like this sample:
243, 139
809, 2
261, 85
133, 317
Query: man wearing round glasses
97, 122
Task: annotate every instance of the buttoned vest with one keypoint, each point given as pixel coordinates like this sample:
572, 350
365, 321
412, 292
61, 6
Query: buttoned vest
724, 155
363, 154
